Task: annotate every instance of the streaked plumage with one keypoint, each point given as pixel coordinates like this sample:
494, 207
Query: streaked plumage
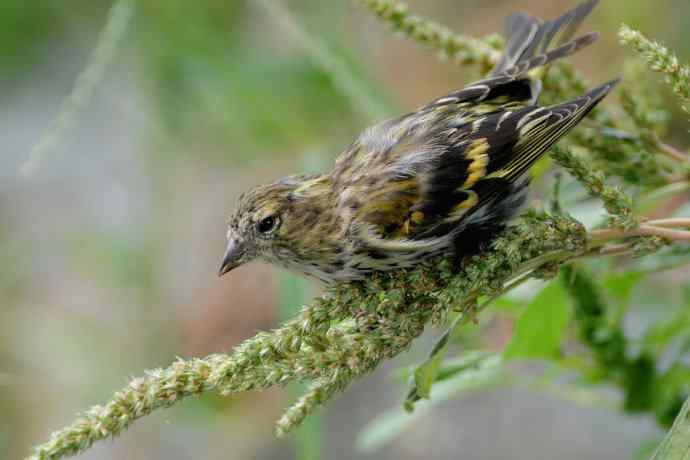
439, 181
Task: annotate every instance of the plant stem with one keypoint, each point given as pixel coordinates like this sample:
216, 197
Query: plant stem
677, 222
671, 151
103, 54
600, 237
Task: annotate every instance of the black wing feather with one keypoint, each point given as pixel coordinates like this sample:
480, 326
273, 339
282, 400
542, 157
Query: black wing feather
513, 142
531, 141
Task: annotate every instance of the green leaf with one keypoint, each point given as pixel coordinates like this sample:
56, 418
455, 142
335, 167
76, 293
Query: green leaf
455, 365
620, 286
676, 444
661, 333
425, 374
540, 329
508, 305
449, 367
485, 373
646, 450
675, 327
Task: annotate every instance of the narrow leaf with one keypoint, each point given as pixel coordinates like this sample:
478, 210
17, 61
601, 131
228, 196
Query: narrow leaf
676, 444
425, 373
620, 286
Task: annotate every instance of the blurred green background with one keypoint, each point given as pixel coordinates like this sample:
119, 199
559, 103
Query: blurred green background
110, 249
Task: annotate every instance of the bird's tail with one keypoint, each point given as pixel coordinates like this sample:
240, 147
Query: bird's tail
529, 38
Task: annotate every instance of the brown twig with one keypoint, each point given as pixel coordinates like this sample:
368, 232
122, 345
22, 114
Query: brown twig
670, 151
603, 236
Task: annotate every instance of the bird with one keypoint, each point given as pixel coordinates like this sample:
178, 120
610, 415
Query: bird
441, 181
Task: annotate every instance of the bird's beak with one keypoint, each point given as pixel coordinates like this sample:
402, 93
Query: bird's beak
232, 258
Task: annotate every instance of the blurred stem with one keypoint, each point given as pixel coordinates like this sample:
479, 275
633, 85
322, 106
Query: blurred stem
106, 48
670, 151
568, 392
660, 228
308, 439
361, 99
678, 222
653, 197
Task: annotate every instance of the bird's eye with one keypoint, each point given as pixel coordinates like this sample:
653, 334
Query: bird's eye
267, 224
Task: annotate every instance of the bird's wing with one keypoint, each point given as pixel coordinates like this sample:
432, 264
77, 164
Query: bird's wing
388, 177
414, 180
497, 152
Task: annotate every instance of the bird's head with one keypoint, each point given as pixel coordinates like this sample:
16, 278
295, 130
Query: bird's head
268, 222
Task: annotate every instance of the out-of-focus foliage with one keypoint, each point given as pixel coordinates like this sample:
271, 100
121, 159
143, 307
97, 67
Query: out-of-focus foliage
25, 27
214, 78
540, 330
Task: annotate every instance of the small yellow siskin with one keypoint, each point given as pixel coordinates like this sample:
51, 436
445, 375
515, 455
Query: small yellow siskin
442, 180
